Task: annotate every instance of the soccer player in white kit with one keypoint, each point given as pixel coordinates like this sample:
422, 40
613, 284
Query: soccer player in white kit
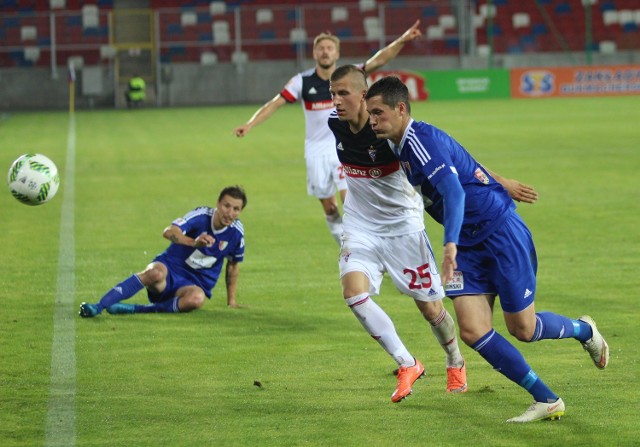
384, 232
311, 87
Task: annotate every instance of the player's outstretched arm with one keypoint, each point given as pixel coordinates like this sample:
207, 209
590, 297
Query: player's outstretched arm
261, 115
390, 51
231, 278
518, 191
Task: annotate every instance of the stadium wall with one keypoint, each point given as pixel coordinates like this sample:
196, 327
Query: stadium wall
190, 84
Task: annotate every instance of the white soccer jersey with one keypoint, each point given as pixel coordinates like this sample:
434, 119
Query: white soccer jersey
313, 93
379, 198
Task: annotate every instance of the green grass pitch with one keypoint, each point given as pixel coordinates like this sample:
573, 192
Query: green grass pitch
188, 380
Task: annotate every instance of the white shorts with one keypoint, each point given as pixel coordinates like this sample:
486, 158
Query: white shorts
324, 176
408, 259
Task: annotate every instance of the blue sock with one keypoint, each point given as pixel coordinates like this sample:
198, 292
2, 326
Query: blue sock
169, 306
122, 291
508, 361
554, 326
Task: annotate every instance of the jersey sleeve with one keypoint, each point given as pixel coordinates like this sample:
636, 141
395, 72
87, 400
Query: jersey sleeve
453, 201
238, 254
292, 89
194, 222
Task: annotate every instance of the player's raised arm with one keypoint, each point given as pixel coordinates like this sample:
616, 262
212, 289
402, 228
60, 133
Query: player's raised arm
261, 115
390, 51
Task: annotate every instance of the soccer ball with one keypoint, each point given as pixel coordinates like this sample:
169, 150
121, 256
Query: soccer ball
33, 179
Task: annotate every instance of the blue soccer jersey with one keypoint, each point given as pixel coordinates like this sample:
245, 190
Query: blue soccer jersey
428, 154
203, 265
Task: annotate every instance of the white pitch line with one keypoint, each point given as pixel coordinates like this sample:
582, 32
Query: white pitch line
61, 413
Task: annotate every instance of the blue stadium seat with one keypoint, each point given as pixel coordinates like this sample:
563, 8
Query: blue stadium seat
267, 34
11, 22
497, 29
430, 11
174, 28
514, 49
539, 29
74, 21
344, 33
607, 6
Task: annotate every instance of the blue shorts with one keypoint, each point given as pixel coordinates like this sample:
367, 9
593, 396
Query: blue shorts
504, 264
175, 281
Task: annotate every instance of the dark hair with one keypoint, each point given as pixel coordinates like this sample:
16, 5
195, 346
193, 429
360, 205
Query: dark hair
392, 91
236, 192
345, 70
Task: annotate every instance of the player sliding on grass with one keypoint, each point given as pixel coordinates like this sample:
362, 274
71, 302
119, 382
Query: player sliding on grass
180, 278
488, 250
311, 87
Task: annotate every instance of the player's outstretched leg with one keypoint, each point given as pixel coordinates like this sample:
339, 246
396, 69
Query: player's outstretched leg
507, 360
168, 306
539, 411
121, 308
554, 326
88, 310
407, 376
596, 346
378, 324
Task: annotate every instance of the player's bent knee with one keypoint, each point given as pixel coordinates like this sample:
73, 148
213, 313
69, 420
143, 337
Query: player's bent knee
152, 275
192, 302
522, 334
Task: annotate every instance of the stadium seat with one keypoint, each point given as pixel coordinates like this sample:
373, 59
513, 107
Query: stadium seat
28, 33
625, 16
435, 32
239, 57
521, 20
372, 28
339, 14
188, 18
90, 16
217, 8
31, 54
607, 47
208, 58
221, 35
488, 10
447, 21
298, 36
367, 5
264, 15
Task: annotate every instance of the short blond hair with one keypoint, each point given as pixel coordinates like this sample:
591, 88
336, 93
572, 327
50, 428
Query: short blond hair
327, 36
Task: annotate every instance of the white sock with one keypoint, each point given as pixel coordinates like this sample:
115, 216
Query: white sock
444, 330
378, 324
334, 222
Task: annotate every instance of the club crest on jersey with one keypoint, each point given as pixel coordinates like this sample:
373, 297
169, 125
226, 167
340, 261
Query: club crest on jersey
480, 175
222, 245
372, 153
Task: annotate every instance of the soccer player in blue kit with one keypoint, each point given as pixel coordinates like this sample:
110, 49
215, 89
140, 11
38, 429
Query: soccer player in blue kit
182, 277
488, 249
